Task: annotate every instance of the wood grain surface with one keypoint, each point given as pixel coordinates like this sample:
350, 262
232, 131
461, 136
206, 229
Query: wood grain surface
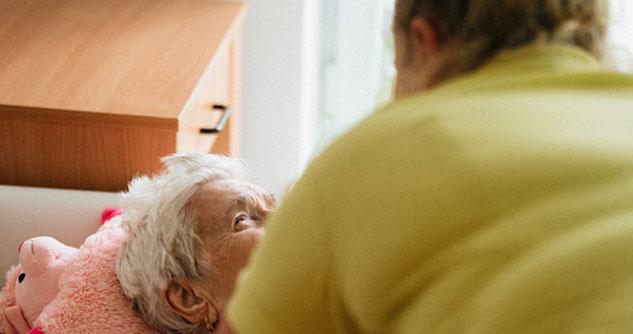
76, 156
93, 93
130, 57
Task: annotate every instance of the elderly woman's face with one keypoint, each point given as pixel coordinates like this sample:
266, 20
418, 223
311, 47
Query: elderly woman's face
231, 215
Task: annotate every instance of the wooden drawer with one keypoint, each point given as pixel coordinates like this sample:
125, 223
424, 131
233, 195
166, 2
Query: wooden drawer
94, 93
207, 107
64, 153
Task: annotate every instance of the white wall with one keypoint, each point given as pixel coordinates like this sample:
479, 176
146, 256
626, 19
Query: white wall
279, 89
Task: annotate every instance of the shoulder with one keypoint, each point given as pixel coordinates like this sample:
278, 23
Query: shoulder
392, 129
401, 153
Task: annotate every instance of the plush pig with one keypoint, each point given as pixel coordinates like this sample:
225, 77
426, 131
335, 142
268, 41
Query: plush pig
35, 280
89, 298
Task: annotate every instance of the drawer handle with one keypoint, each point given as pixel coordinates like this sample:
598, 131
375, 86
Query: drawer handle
226, 113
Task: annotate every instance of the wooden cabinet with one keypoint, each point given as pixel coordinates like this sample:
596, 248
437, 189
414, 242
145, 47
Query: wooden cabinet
94, 92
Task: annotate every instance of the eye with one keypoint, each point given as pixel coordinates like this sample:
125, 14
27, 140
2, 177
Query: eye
241, 222
21, 277
240, 218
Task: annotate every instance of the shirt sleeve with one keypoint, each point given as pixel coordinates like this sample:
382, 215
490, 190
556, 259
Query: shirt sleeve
283, 288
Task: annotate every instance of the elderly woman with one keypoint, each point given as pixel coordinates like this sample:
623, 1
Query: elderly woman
192, 228
494, 196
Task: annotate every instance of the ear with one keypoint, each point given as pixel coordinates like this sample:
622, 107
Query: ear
425, 36
188, 302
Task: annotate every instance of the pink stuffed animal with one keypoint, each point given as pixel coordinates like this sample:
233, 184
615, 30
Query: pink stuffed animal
34, 282
83, 294
91, 299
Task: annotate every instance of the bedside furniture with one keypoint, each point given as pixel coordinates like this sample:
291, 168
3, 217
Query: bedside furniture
94, 92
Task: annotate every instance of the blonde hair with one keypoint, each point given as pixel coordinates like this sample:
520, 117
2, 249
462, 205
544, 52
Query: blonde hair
164, 243
477, 30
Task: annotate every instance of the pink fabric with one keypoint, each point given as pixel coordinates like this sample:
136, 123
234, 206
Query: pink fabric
16, 319
84, 297
7, 298
90, 298
33, 283
42, 261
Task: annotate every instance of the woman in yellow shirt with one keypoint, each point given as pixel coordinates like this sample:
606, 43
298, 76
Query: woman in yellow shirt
494, 196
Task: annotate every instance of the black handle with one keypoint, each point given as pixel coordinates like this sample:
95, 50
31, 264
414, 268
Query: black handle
226, 113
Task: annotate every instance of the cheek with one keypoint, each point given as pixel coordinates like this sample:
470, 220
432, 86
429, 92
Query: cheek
246, 242
400, 50
401, 64
232, 253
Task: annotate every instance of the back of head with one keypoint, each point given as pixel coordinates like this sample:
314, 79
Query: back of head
474, 31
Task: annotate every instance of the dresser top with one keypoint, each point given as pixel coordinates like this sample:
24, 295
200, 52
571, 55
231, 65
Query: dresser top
119, 57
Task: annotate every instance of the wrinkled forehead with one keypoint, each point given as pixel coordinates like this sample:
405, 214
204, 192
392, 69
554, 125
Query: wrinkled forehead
226, 189
216, 197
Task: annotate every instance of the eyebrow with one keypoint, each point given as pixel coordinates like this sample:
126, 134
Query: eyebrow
257, 200
243, 200
240, 201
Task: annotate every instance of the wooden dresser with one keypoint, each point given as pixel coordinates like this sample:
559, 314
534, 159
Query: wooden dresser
94, 92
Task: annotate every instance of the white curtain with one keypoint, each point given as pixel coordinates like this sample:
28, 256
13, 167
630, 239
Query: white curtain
356, 63
620, 43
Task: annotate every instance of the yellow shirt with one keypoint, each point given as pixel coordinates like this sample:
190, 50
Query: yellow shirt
499, 202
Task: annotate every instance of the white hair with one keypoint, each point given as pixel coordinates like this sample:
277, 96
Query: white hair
164, 242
